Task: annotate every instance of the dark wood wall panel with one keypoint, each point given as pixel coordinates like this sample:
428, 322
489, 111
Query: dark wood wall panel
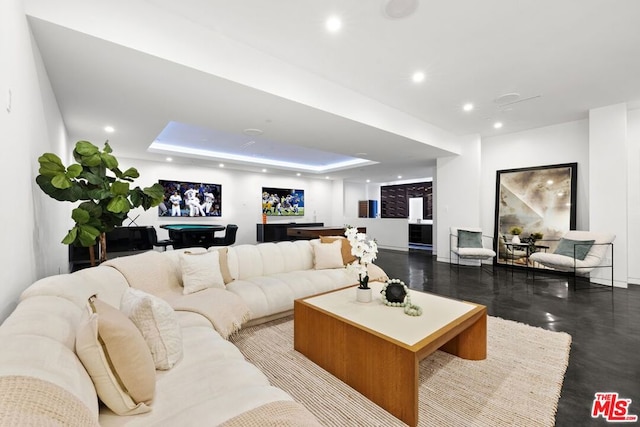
395, 199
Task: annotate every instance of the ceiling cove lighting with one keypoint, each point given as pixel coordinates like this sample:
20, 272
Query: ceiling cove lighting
467, 107
418, 77
164, 148
497, 125
109, 129
333, 24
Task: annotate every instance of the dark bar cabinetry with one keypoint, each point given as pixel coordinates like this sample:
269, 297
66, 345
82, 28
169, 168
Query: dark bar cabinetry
277, 232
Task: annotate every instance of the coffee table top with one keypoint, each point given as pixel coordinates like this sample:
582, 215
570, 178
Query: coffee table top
437, 312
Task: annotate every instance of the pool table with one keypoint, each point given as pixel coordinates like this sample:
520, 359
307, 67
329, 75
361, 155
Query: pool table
192, 235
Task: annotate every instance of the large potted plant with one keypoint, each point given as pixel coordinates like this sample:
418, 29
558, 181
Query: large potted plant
103, 189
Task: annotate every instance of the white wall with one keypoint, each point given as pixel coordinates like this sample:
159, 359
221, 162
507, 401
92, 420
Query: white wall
31, 125
609, 194
241, 196
633, 189
563, 143
458, 192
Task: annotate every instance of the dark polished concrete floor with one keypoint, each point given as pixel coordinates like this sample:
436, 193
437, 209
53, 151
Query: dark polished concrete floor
604, 326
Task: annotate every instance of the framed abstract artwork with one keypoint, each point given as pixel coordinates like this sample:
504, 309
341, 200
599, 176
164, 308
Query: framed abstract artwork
535, 205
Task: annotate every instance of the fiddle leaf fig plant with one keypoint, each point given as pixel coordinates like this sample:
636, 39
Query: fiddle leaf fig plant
102, 187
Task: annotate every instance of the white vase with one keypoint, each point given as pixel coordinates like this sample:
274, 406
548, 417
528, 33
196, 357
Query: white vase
515, 239
363, 295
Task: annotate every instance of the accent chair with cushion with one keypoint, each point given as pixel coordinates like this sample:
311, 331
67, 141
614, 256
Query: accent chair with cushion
579, 252
469, 243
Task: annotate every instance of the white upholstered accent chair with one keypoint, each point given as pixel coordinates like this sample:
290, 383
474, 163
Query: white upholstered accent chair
579, 252
509, 253
468, 243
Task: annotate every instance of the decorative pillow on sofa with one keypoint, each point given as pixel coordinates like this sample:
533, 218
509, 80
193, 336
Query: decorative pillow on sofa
469, 239
223, 255
566, 247
200, 271
327, 255
347, 256
116, 357
158, 323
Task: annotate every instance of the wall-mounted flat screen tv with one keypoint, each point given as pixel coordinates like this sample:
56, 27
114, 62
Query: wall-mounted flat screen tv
190, 199
282, 201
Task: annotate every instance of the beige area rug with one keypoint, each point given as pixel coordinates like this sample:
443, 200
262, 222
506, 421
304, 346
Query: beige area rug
517, 385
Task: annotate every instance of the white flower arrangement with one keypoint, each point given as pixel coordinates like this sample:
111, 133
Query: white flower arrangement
365, 250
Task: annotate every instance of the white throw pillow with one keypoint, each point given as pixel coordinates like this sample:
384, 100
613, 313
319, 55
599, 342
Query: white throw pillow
200, 271
158, 323
116, 357
327, 255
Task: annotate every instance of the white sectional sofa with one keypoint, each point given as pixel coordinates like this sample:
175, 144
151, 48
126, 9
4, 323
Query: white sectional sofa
44, 381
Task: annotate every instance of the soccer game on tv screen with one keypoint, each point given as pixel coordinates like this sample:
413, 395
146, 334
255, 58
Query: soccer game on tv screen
190, 199
282, 202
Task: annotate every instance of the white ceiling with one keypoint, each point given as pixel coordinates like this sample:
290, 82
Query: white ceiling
273, 66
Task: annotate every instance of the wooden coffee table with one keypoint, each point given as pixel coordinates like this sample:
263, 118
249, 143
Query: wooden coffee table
376, 349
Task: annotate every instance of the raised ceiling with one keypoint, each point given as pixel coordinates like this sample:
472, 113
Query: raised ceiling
228, 66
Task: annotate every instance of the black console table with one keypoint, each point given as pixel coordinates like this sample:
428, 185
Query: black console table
121, 241
277, 232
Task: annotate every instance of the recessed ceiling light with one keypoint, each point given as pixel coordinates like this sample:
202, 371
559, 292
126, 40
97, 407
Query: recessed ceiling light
221, 165
397, 9
169, 159
418, 77
264, 170
253, 132
549, 182
333, 24
497, 125
326, 177
467, 107
298, 174
368, 180
109, 129
399, 176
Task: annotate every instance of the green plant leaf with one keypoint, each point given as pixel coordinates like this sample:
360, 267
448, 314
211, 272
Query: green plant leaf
92, 208
61, 181
93, 160
80, 216
120, 188
67, 195
99, 194
107, 147
156, 193
119, 204
86, 149
71, 236
50, 164
74, 171
109, 161
131, 173
92, 178
87, 235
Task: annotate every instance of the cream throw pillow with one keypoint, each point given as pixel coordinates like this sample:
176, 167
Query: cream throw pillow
158, 323
223, 255
116, 357
200, 271
327, 255
347, 256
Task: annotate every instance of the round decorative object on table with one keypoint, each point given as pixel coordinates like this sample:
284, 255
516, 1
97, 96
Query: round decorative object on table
363, 295
396, 294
